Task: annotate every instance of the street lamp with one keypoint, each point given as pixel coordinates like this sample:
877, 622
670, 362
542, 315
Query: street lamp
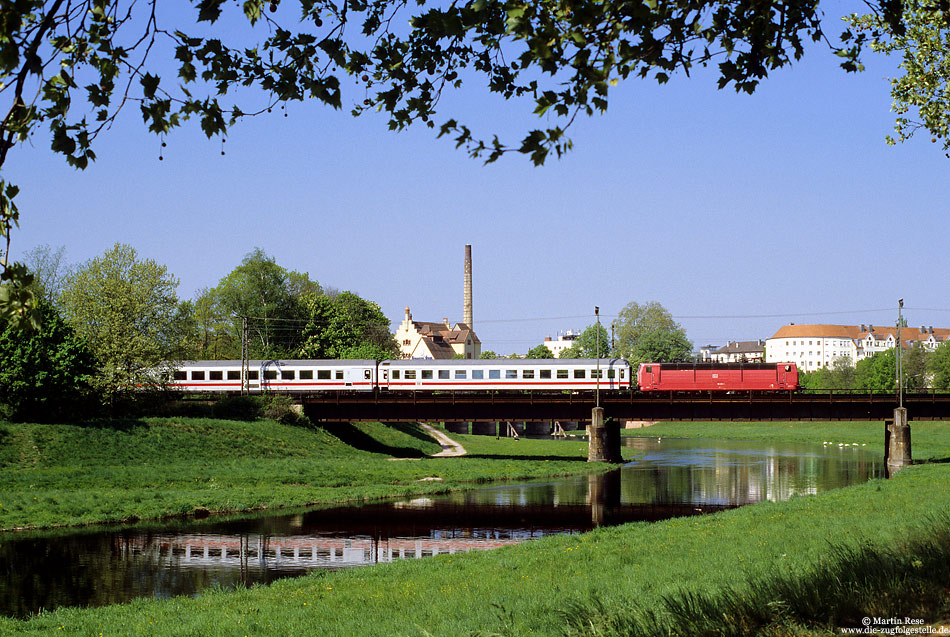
597, 386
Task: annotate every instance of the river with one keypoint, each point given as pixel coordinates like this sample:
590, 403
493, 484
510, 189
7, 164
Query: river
673, 477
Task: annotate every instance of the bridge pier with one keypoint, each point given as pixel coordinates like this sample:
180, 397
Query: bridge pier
535, 428
897, 442
603, 439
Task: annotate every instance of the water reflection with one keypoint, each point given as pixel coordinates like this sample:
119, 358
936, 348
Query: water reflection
673, 478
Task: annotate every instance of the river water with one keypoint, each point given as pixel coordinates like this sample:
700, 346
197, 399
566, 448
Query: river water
674, 477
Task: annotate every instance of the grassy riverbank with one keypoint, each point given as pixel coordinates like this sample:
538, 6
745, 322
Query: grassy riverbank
930, 440
57, 475
807, 565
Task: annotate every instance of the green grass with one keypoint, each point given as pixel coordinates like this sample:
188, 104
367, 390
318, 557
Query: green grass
602, 582
930, 440
55, 475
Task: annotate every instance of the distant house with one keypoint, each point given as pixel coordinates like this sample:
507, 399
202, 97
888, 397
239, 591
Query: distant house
422, 339
815, 346
564, 341
737, 352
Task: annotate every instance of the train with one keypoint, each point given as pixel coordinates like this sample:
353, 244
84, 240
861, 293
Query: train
608, 375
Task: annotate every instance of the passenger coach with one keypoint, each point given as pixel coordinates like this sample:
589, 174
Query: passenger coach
503, 374
276, 375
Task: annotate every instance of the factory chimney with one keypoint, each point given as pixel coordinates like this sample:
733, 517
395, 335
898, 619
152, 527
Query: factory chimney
467, 295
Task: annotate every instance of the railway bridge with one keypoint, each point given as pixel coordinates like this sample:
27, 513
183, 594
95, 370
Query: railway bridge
531, 406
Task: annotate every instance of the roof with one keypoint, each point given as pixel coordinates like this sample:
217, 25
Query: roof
740, 347
859, 332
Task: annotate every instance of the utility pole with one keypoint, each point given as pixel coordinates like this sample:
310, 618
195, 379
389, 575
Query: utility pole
597, 390
900, 346
245, 361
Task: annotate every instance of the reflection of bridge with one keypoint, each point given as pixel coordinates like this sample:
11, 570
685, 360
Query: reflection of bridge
536, 406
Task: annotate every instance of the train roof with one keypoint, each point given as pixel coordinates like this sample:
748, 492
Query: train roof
710, 365
483, 362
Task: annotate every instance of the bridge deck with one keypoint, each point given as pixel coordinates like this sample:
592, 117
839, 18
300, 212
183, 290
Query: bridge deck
540, 406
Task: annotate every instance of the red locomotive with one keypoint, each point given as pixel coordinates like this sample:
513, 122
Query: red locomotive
717, 377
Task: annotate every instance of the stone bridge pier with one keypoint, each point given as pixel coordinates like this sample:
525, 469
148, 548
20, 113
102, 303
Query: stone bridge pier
603, 437
897, 442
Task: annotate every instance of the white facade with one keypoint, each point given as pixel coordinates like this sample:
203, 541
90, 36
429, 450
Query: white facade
813, 347
563, 342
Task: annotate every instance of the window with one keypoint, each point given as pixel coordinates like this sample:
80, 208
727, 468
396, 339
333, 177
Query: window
622, 374
306, 374
478, 374
410, 374
527, 373
288, 374
596, 373
444, 374
367, 374
611, 373
562, 373
197, 375
179, 375
270, 374
234, 375
494, 373
579, 373
252, 375
544, 373
460, 373
323, 374
215, 375
395, 374
339, 374
427, 374
511, 373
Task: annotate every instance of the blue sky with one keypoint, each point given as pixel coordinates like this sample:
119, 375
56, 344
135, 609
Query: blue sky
738, 213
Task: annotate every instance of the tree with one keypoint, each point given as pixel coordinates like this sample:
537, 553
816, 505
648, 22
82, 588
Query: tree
839, 375
45, 372
126, 311
661, 346
914, 367
585, 345
878, 372
488, 355
72, 65
269, 296
939, 367
49, 270
648, 329
346, 326
540, 351
922, 38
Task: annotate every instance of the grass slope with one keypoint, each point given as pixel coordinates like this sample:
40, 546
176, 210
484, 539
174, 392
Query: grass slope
54, 475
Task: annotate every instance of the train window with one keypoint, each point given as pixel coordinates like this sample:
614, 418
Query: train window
395, 374
179, 375
215, 375
611, 373
339, 374
648, 369
270, 374
579, 373
461, 373
562, 373
367, 374
596, 373
788, 368
410, 374
545, 373
494, 373
233, 374
426, 374
444, 374
511, 373
323, 374
197, 375
478, 374
306, 374
252, 374
527, 373
288, 374
621, 374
